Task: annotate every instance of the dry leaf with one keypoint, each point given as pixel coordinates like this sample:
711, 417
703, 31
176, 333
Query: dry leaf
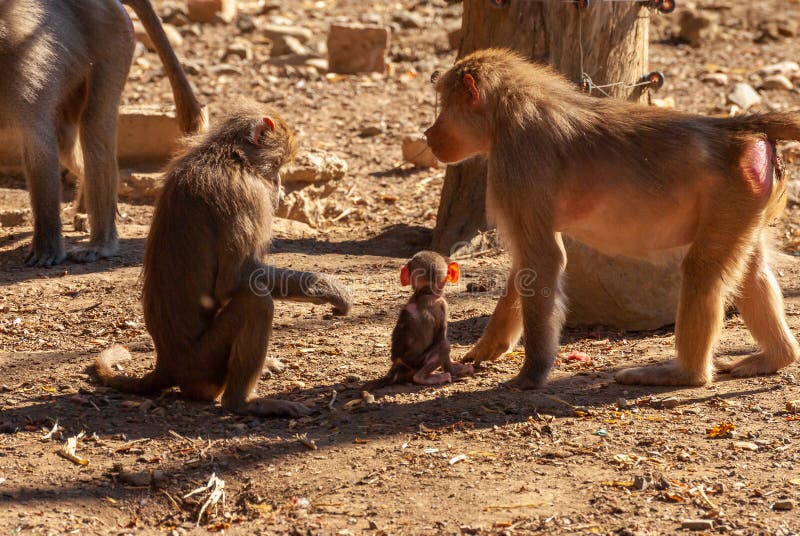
723, 429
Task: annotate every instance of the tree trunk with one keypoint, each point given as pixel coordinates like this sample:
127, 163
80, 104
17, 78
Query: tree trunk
607, 43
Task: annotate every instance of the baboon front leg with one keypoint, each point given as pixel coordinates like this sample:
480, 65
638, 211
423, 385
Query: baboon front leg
539, 284
504, 328
248, 318
761, 305
42, 173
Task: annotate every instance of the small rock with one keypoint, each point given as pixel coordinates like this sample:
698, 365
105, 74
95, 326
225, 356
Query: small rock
173, 35
777, 81
176, 17
697, 524
409, 19
370, 131
718, 79
137, 185
671, 402
320, 64
357, 48
14, 218
277, 31
783, 506
372, 525
696, 28
225, 68
622, 403
786, 68
211, 10
745, 445
417, 152
314, 166
287, 44
776, 28
302, 206
744, 96
241, 49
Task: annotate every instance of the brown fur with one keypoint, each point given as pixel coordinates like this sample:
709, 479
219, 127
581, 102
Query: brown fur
64, 65
207, 295
628, 180
419, 340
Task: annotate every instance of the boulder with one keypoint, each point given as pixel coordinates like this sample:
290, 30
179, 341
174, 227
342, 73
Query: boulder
312, 167
357, 48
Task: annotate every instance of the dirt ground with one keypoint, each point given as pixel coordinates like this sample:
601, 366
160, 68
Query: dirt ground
583, 455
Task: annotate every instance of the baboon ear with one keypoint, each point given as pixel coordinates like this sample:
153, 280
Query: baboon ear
473, 97
405, 279
453, 271
260, 127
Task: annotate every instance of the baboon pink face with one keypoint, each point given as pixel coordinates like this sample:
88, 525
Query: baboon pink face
455, 135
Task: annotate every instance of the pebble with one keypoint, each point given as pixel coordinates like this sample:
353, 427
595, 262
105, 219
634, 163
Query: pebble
719, 79
783, 506
745, 445
785, 68
370, 131
698, 524
225, 68
777, 81
671, 402
417, 152
241, 50
409, 20
744, 96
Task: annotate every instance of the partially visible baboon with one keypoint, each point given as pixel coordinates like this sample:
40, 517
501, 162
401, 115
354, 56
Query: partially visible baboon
207, 293
64, 64
419, 340
627, 180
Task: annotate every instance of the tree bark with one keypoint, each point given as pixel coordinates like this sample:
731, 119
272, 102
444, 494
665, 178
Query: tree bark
608, 43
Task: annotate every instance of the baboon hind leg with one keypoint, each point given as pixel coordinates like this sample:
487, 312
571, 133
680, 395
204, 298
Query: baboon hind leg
760, 303
230, 357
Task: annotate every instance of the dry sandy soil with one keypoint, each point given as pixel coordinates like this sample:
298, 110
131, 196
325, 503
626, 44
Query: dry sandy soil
584, 455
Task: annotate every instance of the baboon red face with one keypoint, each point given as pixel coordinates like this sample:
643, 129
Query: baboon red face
457, 133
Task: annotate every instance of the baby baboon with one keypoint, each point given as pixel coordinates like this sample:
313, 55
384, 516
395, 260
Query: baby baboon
419, 340
207, 294
625, 179
64, 64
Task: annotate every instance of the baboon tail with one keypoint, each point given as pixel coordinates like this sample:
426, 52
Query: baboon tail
776, 125
152, 382
192, 117
294, 285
